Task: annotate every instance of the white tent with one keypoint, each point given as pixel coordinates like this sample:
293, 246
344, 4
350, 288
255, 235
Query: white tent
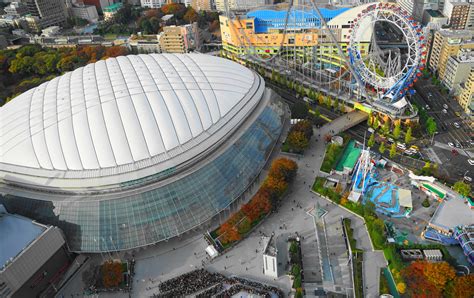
211, 251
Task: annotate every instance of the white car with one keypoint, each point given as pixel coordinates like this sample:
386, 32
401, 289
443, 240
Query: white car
468, 179
445, 106
445, 111
471, 162
427, 107
456, 125
451, 144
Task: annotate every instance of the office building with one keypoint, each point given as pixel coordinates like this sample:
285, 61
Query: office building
33, 257
434, 17
160, 145
262, 32
202, 5
457, 69
144, 44
152, 3
241, 4
180, 39
16, 9
49, 12
86, 12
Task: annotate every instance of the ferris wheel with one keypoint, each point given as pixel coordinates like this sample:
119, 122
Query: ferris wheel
389, 73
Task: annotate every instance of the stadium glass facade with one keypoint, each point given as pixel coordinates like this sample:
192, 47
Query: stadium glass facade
147, 217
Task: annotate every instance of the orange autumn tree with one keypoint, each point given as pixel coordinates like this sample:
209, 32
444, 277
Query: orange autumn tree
460, 287
112, 274
425, 279
228, 233
277, 186
283, 168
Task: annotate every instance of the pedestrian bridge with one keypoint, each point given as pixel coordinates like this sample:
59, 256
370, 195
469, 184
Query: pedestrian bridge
347, 121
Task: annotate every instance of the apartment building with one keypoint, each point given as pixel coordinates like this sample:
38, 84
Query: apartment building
457, 70
447, 43
50, 12
202, 5
465, 99
180, 39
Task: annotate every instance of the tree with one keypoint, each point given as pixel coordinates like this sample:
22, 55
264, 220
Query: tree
401, 287
408, 136
304, 126
460, 287
320, 99
112, 274
397, 130
277, 186
431, 127
371, 141
382, 148
393, 150
228, 233
190, 16
283, 168
386, 126
462, 188
328, 102
370, 120
297, 141
439, 274
376, 123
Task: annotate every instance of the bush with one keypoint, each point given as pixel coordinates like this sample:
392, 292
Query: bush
425, 203
333, 152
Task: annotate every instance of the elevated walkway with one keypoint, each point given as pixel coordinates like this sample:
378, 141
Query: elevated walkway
348, 120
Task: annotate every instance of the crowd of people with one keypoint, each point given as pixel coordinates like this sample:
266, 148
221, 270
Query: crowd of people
212, 285
189, 283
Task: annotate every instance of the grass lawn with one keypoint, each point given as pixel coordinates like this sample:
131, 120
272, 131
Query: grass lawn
333, 152
358, 271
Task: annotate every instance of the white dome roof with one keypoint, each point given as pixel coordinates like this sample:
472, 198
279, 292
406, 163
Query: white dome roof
124, 114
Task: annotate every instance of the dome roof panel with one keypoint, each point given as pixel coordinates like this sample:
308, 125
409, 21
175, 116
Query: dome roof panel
114, 114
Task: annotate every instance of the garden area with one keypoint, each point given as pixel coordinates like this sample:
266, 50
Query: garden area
267, 198
296, 266
112, 275
333, 154
333, 193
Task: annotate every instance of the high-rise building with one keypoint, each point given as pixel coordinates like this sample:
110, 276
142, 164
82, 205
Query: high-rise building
448, 43
50, 12
152, 3
465, 99
416, 7
458, 69
458, 12
180, 39
201, 4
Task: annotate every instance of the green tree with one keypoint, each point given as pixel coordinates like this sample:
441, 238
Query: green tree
408, 136
386, 127
328, 102
376, 123
397, 130
370, 120
431, 127
336, 104
297, 141
462, 188
393, 150
371, 141
382, 148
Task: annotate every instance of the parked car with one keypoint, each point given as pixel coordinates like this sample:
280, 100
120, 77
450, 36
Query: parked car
445, 106
468, 179
450, 144
445, 111
456, 125
427, 107
471, 162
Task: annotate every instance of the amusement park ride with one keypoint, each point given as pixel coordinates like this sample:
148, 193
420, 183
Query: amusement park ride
378, 79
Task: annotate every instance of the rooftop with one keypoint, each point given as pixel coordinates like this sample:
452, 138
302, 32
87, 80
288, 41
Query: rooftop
113, 8
270, 248
17, 233
452, 213
434, 13
349, 157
